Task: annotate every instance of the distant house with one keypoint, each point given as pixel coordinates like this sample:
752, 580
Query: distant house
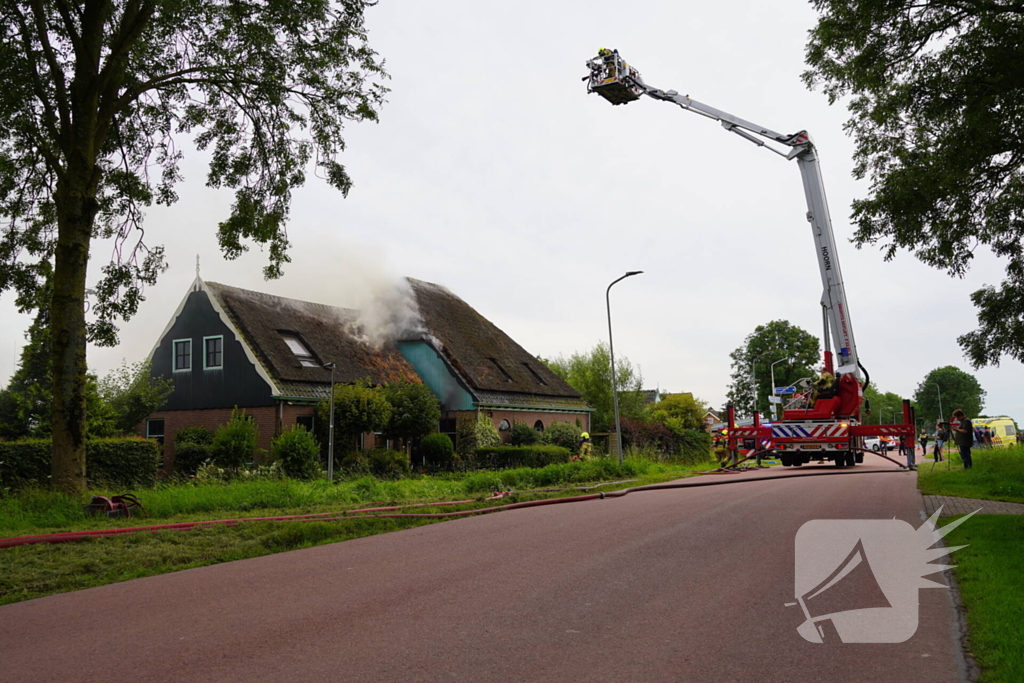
227, 347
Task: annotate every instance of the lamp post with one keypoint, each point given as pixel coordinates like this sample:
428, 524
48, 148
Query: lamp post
611, 350
774, 410
942, 413
330, 431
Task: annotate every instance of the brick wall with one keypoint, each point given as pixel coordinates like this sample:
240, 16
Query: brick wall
530, 418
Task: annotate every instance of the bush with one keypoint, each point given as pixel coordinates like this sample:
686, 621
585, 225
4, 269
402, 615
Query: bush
189, 457
473, 432
379, 462
563, 434
437, 450
298, 453
502, 457
197, 435
117, 462
523, 435
234, 443
192, 449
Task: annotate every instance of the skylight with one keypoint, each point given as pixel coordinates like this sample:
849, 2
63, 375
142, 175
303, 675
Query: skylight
303, 354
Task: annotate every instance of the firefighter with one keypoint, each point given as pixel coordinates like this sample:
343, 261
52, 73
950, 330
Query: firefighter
824, 387
609, 60
585, 446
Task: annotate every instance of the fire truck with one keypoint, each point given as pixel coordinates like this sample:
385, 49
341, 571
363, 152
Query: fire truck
826, 423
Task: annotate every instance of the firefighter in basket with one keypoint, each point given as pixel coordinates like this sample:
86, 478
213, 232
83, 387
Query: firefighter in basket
824, 387
609, 60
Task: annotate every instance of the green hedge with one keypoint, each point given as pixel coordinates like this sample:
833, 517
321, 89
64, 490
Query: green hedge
115, 462
503, 457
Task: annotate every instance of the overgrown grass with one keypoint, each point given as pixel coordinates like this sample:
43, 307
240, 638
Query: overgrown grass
38, 570
988, 571
998, 474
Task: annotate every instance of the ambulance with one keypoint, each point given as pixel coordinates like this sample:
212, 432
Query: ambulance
1004, 433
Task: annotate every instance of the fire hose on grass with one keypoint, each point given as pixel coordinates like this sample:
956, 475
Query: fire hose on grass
325, 516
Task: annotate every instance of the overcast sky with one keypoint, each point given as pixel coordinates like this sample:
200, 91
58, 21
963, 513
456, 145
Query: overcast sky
493, 173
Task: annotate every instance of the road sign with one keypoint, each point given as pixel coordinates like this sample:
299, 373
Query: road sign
775, 399
785, 390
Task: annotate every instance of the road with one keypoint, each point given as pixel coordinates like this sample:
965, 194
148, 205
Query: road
654, 586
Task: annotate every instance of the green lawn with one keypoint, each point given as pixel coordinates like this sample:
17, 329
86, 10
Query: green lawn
989, 571
37, 570
998, 474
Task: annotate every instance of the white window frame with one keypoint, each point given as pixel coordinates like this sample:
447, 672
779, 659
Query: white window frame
174, 356
214, 367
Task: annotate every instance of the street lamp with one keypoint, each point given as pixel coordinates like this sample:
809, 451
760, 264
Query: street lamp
611, 350
942, 413
773, 377
330, 432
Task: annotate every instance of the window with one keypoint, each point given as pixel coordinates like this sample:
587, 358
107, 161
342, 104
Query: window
1010, 431
305, 421
213, 353
306, 358
155, 429
539, 426
182, 355
504, 426
534, 373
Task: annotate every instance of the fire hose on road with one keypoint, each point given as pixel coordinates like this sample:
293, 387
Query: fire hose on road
387, 514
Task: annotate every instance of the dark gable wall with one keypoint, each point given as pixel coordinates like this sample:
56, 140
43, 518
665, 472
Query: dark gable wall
237, 384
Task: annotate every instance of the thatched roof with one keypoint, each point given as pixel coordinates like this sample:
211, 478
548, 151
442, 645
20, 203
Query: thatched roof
329, 333
487, 358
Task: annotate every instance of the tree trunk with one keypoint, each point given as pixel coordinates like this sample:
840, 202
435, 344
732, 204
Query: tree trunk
76, 211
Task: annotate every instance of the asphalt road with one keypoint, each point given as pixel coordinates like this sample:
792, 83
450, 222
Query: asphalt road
655, 586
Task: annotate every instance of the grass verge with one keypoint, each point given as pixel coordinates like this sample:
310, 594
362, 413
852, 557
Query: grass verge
988, 571
998, 474
43, 569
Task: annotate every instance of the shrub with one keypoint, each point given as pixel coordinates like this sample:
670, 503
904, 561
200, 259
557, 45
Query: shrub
437, 450
189, 457
415, 410
473, 432
118, 462
298, 453
234, 443
523, 435
358, 408
192, 449
501, 457
378, 462
563, 434
197, 435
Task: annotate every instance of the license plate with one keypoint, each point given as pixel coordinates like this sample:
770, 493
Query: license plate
811, 446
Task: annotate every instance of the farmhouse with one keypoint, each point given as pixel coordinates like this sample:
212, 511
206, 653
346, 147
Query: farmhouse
226, 347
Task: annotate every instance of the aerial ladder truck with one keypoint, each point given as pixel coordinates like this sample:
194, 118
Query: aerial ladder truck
827, 424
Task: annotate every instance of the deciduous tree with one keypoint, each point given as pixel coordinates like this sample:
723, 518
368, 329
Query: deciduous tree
936, 93
957, 388
775, 341
96, 95
590, 373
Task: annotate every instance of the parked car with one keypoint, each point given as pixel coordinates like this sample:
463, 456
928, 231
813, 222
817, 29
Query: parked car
876, 443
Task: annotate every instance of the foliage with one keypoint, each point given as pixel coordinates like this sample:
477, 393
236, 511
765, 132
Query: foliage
564, 435
998, 474
768, 343
679, 411
690, 446
883, 407
234, 443
599, 469
116, 462
958, 390
503, 457
377, 462
590, 374
438, 450
194, 434
936, 115
415, 411
473, 432
524, 435
95, 102
132, 393
25, 404
298, 452
358, 408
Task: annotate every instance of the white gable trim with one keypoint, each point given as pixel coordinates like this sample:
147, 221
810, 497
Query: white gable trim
199, 286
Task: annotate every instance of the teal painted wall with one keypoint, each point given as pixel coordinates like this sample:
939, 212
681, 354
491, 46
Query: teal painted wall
435, 374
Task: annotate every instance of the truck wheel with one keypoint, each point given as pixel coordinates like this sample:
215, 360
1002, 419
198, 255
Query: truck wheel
798, 460
839, 459
858, 457
850, 459
786, 460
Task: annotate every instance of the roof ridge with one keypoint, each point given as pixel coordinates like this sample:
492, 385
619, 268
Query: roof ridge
264, 295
